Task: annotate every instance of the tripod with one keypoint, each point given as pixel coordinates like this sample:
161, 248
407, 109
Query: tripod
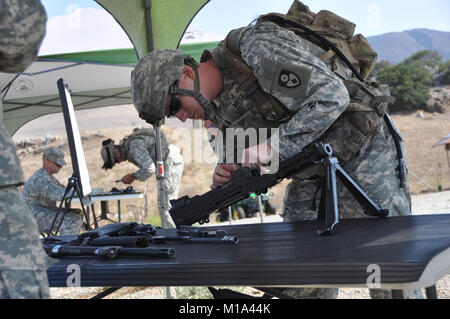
73, 187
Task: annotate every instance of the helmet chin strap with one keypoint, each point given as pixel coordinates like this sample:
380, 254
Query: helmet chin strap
196, 93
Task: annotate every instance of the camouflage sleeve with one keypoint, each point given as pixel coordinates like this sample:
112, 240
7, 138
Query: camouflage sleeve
285, 68
140, 156
22, 28
51, 189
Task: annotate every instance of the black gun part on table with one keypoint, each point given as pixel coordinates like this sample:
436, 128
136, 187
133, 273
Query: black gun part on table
132, 239
107, 252
244, 181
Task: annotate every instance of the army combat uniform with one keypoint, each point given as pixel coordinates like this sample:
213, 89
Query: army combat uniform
287, 67
42, 192
23, 261
139, 149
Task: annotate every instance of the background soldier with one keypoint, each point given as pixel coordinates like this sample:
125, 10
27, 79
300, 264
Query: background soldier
267, 76
23, 261
42, 191
139, 149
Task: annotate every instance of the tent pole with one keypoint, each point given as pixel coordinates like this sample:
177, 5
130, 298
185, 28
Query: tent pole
148, 15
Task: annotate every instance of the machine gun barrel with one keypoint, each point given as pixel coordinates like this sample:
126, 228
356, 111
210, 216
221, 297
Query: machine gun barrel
63, 251
188, 239
110, 252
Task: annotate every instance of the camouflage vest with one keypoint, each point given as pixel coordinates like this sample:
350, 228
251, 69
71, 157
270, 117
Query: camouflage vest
350, 57
147, 134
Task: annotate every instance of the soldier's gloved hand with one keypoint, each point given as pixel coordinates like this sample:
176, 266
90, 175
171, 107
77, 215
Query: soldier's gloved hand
222, 174
128, 179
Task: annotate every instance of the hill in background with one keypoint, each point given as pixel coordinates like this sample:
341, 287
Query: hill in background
397, 46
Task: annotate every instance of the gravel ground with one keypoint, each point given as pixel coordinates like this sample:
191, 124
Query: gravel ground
432, 203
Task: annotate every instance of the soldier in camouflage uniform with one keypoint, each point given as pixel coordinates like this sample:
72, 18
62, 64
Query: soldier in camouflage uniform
139, 149
23, 261
287, 68
42, 191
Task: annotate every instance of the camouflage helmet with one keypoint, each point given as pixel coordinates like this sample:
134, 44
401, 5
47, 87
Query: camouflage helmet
108, 153
151, 80
22, 28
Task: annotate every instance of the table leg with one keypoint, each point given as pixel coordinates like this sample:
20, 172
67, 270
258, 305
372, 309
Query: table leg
93, 215
106, 293
431, 292
398, 294
104, 209
118, 209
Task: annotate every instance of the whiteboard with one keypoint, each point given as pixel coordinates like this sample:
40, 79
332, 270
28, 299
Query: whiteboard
79, 166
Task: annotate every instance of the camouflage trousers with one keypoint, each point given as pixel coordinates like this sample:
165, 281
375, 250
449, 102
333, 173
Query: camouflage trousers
23, 261
24, 284
298, 206
71, 224
171, 182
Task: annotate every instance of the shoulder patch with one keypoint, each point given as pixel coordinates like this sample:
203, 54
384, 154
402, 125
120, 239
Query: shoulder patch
290, 79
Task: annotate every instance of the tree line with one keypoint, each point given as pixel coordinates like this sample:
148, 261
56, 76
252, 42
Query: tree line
410, 81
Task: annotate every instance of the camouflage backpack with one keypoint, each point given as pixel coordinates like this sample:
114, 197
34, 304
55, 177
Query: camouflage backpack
147, 132
345, 54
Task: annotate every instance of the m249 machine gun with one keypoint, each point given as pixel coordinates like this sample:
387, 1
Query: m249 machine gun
244, 181
132, 239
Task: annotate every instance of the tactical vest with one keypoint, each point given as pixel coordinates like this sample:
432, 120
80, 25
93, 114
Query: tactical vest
348, 56
147, 134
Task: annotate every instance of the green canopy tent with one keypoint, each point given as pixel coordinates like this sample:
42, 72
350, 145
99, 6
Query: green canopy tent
99, 78
96, 79
153, 24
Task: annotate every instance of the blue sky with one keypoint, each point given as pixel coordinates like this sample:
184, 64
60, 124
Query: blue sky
372, 17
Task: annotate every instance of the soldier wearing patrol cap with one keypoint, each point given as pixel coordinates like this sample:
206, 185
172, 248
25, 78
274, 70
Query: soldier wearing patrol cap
43, 191
139, 149
23, 261
266, 76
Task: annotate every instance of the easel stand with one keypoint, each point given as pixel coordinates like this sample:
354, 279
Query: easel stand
74, 186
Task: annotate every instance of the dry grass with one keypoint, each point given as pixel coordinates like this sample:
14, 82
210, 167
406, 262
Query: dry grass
428, 163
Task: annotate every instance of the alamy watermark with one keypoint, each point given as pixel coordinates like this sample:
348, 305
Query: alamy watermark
374, 279
74, 278
74, 17
228, 146
374, 16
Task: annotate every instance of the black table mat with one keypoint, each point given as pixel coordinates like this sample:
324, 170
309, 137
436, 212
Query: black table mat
281, 254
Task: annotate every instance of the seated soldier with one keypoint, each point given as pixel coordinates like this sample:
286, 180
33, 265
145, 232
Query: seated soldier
139, 149
41, 192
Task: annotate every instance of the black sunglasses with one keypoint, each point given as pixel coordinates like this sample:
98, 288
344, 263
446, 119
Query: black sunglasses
54, 163
175, 103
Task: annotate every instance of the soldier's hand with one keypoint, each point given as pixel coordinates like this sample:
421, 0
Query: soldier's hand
222, 174
128, 179
257, 155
